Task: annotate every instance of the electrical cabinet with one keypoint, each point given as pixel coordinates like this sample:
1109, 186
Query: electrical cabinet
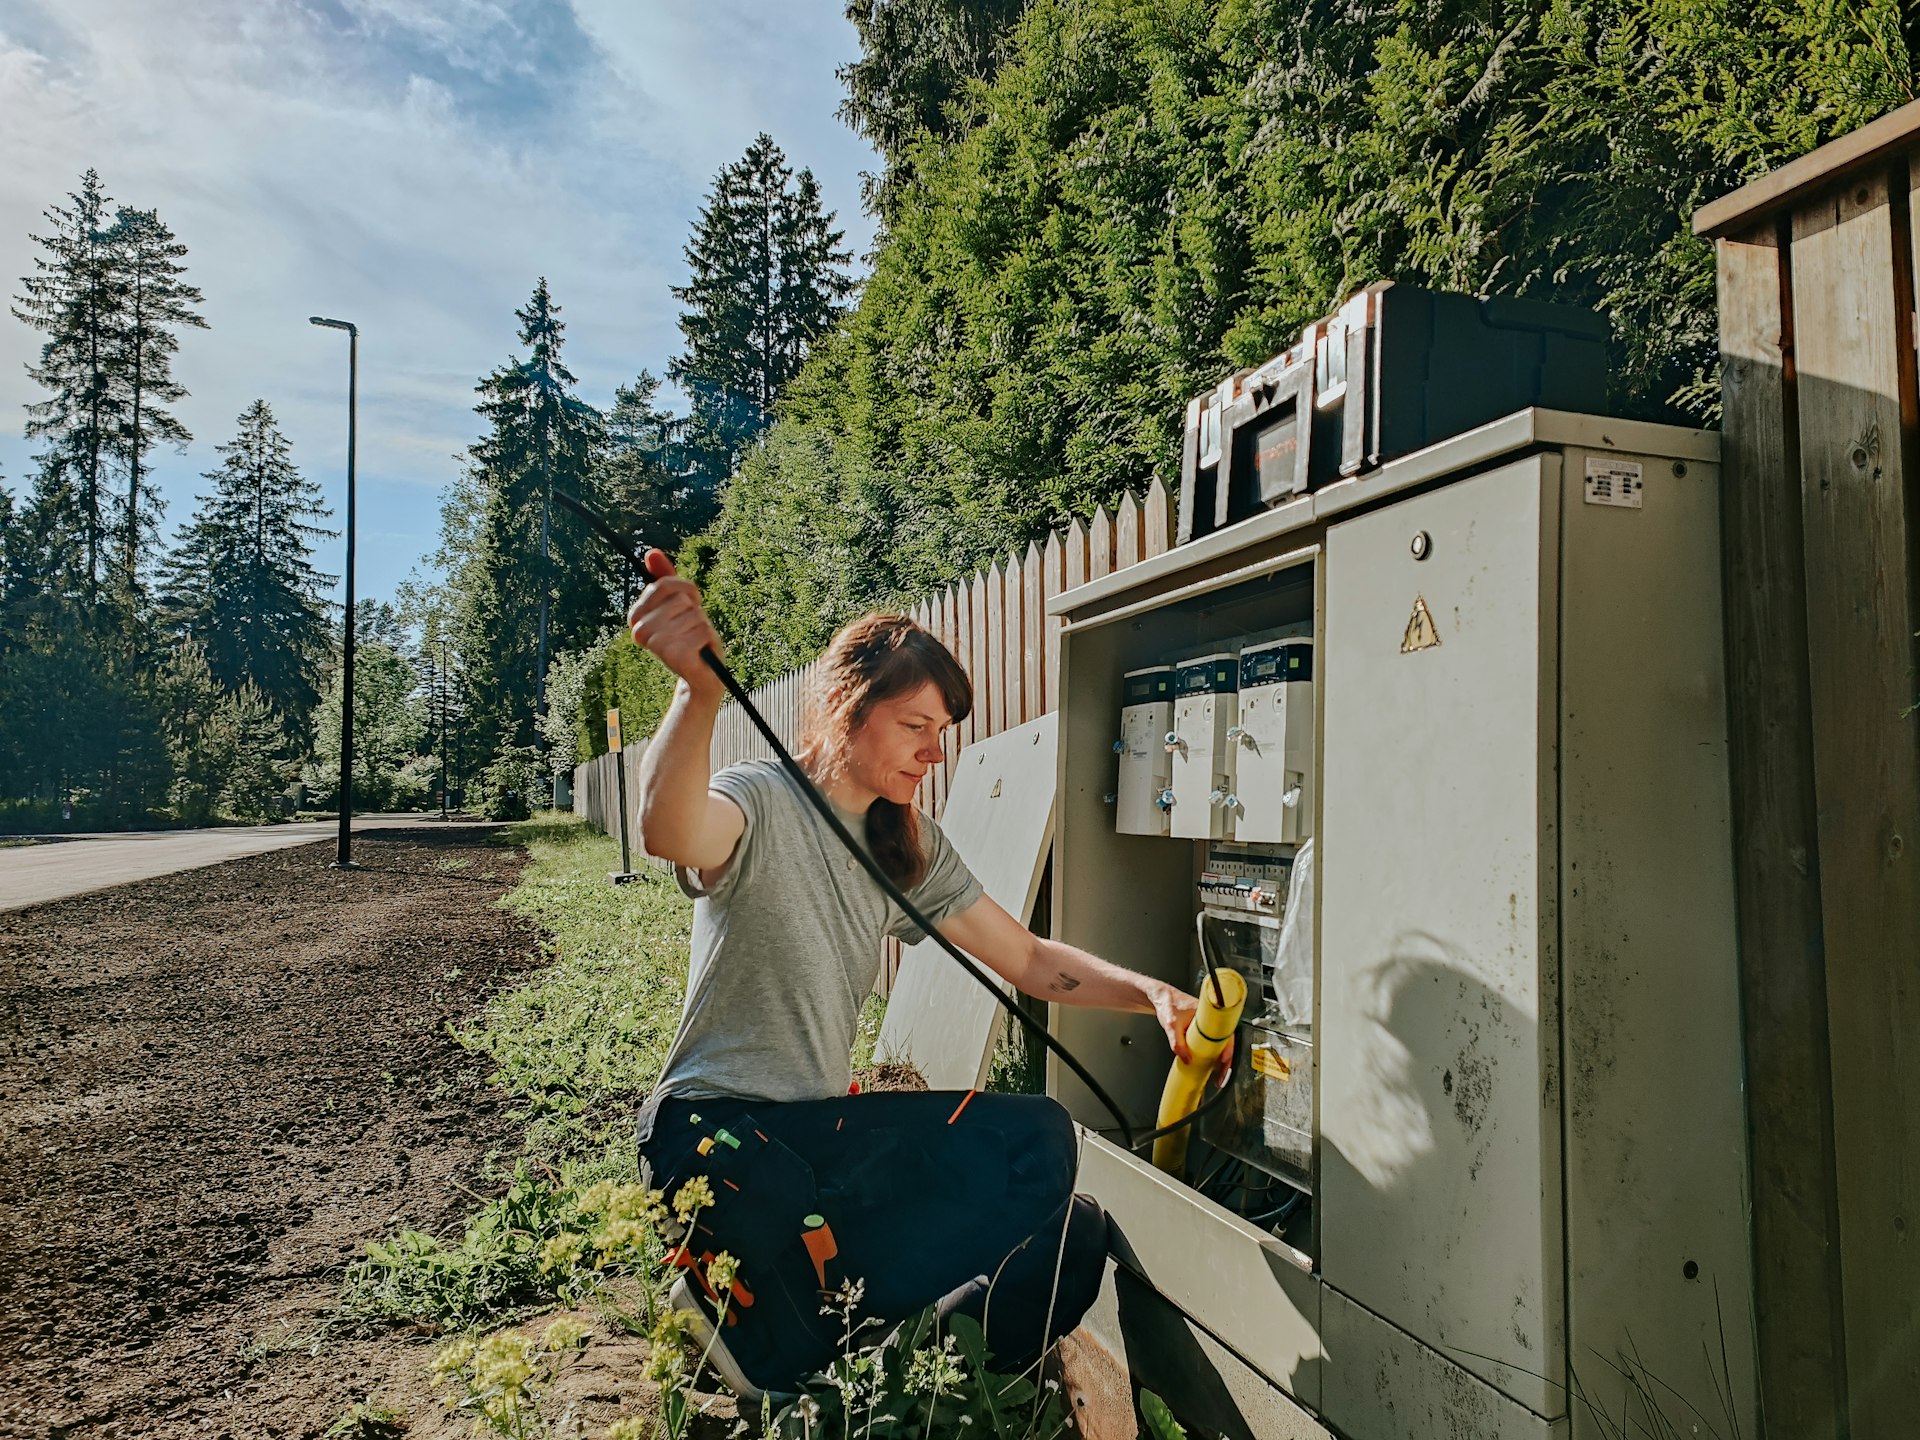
1517, 1157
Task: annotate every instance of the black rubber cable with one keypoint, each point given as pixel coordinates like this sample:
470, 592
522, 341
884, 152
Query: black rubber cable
612, 537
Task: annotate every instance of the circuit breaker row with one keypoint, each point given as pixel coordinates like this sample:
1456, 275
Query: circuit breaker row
1220, 746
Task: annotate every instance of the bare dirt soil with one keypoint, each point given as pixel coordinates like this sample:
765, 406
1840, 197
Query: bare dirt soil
213, 1087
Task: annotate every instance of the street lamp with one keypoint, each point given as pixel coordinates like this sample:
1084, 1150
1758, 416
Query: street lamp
443, 725
344, 859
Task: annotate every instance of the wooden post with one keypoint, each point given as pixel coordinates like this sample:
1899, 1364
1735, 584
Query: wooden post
1157, 520
1100, 545
1796, 1239
976, 662
1853, 339
965, 731
1126, 533
1822, 533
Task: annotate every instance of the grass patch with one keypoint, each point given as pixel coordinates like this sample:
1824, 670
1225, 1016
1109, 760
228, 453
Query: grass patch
586, 1037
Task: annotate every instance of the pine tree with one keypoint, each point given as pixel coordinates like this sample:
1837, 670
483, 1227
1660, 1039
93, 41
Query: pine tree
199, 740
257, 763
389, 728
76, 298
155, 301
767, 279
515, 604
241, 582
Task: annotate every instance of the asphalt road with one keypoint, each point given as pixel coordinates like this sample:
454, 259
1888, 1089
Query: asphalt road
73, 864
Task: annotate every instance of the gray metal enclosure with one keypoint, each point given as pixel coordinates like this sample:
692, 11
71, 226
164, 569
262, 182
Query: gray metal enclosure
1529, 1148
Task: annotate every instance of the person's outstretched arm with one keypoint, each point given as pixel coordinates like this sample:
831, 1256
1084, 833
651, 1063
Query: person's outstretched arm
1055, 971
680, 820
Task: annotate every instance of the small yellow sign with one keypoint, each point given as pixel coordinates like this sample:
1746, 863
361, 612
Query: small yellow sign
1421, 632
613, 729
1271, 1063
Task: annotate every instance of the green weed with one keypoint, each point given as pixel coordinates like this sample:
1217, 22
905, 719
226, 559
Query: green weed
585, 1038
363, 1420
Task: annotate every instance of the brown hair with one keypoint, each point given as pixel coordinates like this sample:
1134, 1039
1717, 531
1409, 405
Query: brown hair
879, 657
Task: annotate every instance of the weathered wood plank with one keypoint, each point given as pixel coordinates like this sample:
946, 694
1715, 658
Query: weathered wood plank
963, 652
1893, 133
1053, 580
1012, 671
996, 657
977, 662
1157, 519
1033, 642
1796, 1242
1100, 545
950, 637
1852, 307
1126, 533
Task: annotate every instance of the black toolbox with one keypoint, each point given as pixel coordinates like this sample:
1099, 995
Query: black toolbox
1395, 369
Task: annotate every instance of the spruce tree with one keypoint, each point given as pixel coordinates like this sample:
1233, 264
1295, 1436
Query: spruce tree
77, 299
241, 581
646, 477
155, 301
515, 602
767, 279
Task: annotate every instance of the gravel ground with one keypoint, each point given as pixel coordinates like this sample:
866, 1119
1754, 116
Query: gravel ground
214, 1086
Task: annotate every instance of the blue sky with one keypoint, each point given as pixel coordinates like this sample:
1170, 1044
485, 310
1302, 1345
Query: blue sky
413, 167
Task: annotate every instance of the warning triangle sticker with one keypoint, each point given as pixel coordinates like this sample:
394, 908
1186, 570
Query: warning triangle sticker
1422, 633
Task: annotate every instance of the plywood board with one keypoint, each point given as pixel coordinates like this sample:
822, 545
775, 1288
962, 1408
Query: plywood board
999, 816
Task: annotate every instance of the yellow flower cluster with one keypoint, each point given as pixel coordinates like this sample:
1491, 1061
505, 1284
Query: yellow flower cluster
629, 1215
563, 1334
692, 1197
496, 1377
721, 1271
621, 1202
562, 1251
667, 1357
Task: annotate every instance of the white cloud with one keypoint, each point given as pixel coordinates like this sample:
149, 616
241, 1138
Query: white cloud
413, 167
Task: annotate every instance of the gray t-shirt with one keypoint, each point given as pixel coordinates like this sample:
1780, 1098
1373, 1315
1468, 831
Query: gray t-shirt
786, 946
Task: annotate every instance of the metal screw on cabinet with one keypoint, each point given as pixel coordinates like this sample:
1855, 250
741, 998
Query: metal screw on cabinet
1422, 545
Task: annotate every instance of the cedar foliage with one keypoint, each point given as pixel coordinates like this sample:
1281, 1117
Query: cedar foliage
1132, 197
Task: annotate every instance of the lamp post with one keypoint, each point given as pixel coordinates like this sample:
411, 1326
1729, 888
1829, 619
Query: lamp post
444, 777
343, 860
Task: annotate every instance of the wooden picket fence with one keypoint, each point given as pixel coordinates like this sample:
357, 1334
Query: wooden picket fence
996, 624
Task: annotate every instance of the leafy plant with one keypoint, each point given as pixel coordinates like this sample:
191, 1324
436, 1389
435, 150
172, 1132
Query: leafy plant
498, 1378
1159, 1419
920, 1383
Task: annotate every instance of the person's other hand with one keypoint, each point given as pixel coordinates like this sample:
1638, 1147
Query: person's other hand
1175, 1009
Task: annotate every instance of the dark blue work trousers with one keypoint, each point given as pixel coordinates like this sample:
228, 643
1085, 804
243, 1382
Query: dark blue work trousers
964, 1200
